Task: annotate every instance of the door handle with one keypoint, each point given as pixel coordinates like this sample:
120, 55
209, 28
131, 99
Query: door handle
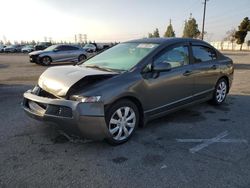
214, 67
187, 73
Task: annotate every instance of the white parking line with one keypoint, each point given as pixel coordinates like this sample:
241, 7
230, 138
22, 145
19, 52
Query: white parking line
207, 142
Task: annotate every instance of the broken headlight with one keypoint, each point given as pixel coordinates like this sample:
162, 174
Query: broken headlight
85, 99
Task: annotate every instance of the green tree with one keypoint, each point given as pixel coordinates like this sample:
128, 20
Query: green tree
241, 34
170, 31
33, 42
150, 35
191, 29
156, 33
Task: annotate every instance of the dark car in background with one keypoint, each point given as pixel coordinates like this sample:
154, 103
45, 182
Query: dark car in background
114, 92
13, 48
58, 53
42, 45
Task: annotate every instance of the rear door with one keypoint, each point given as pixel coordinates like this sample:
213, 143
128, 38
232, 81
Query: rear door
74, 52
165, 90
205, 69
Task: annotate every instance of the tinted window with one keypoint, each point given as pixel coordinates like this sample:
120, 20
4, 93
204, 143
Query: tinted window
202, 53
72, 48
64, 48
60, 48
176, 57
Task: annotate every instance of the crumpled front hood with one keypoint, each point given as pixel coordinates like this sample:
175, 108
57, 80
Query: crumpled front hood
58, 80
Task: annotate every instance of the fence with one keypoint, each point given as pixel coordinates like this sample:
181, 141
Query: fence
228, 45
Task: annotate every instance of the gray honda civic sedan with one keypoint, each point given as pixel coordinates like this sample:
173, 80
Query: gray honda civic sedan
111, 94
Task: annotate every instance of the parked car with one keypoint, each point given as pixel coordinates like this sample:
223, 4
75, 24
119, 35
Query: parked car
111, 94
13, 48
27, 48
2, 48
58, 53
42, 45
90, 48
96, 47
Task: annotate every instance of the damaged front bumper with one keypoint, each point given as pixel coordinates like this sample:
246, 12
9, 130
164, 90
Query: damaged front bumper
88, 117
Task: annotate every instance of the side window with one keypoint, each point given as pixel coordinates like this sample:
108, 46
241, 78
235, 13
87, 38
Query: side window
176, 57
72, 48
67, 48
64, 48
60, 48
202, 53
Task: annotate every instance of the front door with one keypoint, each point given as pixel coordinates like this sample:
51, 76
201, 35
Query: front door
168, 89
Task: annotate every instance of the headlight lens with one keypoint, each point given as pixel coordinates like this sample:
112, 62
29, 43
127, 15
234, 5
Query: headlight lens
85, 99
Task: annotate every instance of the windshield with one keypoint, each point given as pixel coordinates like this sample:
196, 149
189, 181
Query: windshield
51, 48
121, 57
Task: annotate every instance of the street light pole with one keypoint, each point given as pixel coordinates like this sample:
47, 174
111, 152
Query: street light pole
204, 17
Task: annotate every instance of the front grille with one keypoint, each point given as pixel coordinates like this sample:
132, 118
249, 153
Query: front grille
44, 108
61, 111
34, 58
42, 93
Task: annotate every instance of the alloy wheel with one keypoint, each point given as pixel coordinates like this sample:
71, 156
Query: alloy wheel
46, 60
122, 123
221, 91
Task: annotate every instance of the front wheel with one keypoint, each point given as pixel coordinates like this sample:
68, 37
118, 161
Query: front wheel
220, 92
122, 120
46, 61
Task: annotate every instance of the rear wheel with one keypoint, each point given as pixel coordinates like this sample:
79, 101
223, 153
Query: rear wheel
220, 92
46, 61
122, 120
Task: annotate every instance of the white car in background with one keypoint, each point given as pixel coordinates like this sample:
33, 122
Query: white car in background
27, 48
2, 48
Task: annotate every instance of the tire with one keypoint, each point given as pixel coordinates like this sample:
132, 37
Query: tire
220, 92
122, 119
46, 61
81, 58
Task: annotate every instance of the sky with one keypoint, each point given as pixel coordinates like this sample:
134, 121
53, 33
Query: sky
114, 20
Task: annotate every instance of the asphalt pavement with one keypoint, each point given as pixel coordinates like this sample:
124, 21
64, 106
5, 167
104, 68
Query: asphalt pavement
200, 146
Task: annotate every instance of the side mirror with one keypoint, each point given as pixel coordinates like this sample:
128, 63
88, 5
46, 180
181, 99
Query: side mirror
161, 67
55, 50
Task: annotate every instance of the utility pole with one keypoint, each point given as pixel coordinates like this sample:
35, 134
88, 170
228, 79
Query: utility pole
203, 22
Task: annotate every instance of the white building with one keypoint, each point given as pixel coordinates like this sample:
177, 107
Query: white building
228, 45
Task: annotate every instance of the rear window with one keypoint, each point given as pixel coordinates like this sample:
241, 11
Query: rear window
203, 54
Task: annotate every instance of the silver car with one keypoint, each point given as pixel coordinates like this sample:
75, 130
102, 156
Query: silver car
27, 48
58, 53
13, 48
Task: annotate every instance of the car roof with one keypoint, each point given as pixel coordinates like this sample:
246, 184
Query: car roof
164, 40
